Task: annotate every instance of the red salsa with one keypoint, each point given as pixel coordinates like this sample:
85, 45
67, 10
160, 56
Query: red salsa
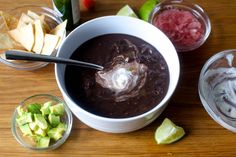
181, 26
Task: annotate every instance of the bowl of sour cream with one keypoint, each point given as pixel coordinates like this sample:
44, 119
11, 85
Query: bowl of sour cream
217, 88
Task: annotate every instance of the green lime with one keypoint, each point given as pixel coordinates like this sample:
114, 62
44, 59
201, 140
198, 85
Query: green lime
127, 11
168, 132
146, 9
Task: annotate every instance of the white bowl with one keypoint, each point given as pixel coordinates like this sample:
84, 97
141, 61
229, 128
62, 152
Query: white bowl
121, 25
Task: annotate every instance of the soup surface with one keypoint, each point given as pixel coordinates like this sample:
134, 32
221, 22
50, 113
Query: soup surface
134, 80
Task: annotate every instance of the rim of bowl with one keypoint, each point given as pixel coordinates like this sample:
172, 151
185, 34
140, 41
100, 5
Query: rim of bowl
204, 102
56, 16
32, 65
57, 143
159, 105
195, 9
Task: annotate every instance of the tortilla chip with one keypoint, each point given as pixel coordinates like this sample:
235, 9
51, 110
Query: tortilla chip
24, 36
46, 28
3, 25
50, 42
60, 31
24, 20
11, 21
38, 36
5, 42
33, 15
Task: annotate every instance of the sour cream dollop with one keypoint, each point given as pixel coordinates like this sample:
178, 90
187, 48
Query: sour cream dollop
124, 79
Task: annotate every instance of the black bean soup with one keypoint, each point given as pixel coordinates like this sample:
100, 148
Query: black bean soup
135, 77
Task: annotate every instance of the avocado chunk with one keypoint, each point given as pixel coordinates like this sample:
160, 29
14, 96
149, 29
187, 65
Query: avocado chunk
33, 126
40, 132
43, 142
61, 128
36, 137
34, 108
55, 134
20, 110
25, 118
25, 129
45, 108
53, 120
40, 121
57, 109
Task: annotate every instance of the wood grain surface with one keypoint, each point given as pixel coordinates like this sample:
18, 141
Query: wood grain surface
204, 136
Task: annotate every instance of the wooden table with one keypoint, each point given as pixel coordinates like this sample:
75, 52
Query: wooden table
204, 136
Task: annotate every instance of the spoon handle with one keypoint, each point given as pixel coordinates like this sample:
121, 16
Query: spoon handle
19, 55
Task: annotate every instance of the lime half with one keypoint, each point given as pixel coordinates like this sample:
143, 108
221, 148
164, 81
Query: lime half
146, 9
127, 11
168, 132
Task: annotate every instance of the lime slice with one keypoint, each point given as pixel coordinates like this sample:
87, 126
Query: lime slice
127, 11
146, 9
168, 132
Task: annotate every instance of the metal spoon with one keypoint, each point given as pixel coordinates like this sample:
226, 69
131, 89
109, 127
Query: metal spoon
20, 55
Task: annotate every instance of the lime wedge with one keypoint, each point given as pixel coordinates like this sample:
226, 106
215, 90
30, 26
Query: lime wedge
168, 132
127, 11
146, 9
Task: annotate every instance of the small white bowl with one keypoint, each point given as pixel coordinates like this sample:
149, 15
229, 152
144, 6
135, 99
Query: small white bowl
121, 25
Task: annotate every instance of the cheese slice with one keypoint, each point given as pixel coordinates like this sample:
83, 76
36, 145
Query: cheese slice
24, 35
38, 37
50, 43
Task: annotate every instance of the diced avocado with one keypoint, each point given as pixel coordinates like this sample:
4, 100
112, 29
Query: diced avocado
61, 128
34, 108
33, 126
25, 129
43, 142
45, 108
40, 121
36, 138
20, 110
25, 118
40, 132
53, 120
54, 134
57, 109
